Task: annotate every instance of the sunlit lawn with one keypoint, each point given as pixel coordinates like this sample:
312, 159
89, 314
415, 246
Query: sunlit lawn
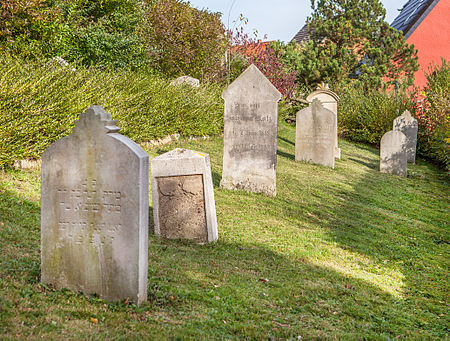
348, 252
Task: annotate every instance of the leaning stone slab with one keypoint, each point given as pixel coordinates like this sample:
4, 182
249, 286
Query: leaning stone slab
250, 133
408, 126
94, 211
329, 101
183, 196
315, 135
194, 82
393, 159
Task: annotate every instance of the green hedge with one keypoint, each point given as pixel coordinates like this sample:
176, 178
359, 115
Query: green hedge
39, 103
365, 116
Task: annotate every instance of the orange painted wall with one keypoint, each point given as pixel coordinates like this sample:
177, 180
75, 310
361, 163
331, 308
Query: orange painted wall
432, 39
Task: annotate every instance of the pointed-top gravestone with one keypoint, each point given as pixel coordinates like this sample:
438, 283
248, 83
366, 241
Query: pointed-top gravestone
94, 211
408, 126
315, 133
183, 196
250, 133
329, 101
393, 158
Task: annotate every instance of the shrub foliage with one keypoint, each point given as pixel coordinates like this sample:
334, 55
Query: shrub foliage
182, 40
433, 115
39, 104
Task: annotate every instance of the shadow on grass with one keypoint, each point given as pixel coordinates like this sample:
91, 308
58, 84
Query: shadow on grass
282, 297
286, 140
286, 155
259, 293
369, 164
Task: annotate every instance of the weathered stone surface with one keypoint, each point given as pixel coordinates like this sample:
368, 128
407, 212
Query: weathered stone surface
250, 133
315, 135
194, 82
393, 158
94, 211
183, 196
329, 101
408, 126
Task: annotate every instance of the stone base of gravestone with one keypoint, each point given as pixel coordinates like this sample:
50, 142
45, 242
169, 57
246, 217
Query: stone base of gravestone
183, 196
408, 125
393, 159
94, 211
315, 135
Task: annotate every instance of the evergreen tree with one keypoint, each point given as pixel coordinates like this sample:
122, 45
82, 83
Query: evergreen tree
350, 38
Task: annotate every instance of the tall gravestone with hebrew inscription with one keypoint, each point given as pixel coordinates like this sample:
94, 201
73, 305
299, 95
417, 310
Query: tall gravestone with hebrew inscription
94, 211
408, 126
315, 135
250, 133
183, 196
393, 159
329, 101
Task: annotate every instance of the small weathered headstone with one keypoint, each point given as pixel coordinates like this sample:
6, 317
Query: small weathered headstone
94, 211
183, 196
329, 101
194, 82
408, 126
250, 133
315, 135
393, 158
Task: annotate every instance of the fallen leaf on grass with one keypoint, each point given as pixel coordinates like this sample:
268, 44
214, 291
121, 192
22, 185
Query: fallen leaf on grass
94, 320
281, 324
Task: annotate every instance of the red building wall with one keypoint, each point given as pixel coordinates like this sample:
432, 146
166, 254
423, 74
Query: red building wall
432, 39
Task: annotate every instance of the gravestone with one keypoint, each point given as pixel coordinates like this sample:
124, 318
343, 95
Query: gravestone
94, 211
250, 133
329, 101
194, 82
183, 196
315, 135
408, 126
393, 159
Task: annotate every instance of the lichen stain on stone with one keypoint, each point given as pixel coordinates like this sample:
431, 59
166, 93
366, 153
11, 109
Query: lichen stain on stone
182, 208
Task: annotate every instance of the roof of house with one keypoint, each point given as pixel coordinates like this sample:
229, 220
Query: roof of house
412, 15
302, 35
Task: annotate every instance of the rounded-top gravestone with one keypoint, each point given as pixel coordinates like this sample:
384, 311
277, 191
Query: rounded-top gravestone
393, 153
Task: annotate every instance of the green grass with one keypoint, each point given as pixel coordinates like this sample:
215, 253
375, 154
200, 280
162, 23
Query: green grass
343, 253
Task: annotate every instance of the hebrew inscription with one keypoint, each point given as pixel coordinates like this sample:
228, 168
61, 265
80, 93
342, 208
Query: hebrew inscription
94, 211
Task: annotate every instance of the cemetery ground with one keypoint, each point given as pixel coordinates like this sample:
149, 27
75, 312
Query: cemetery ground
343, 253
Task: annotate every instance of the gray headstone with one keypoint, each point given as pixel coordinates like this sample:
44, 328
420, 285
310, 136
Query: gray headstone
315, 135
194, 82
250, 133
393, 153
408, 126
329, 101
183, 196
94, 211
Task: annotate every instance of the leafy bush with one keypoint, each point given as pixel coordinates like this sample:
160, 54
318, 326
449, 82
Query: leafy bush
39, 104
246, 51
183, 40
433, 116
365, 116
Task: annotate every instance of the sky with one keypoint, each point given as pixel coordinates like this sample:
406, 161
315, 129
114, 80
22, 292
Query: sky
278, 19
